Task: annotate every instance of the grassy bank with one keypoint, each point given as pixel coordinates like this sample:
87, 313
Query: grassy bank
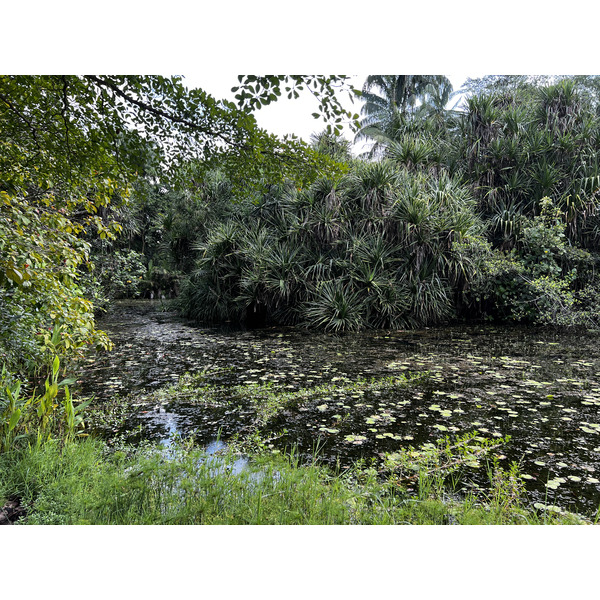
83, 483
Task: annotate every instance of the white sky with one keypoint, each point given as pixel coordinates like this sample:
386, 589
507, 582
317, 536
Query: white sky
290, 116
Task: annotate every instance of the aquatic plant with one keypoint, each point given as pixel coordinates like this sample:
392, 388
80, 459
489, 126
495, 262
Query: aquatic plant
539, 386
443, 458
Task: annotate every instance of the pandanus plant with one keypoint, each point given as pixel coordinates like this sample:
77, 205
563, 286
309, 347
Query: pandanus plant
518, 146
339, 255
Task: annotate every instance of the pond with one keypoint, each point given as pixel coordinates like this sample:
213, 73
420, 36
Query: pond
539, 386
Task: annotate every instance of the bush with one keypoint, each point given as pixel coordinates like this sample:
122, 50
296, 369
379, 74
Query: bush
120, 273
543, 280
370, 250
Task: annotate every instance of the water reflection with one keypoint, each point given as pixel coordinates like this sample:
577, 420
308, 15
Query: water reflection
235, 467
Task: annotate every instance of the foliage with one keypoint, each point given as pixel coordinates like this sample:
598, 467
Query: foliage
489, 84
543, 280
520, 145
18, 329
370, 249
268, 400
526, 148
120, 273
518, 139
394, 103
72, 124
444, 458
80, 483
39, 280
40, 416
72, 150
332, 145
258, 91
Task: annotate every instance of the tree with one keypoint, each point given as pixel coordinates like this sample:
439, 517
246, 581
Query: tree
436, 98
334, 146
524, 142
392, 101
73, 146
490, 84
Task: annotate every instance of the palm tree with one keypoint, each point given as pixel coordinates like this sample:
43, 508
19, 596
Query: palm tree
434, 106
391, 100
334, 146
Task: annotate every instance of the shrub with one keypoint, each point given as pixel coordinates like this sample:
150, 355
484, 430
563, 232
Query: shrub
120, 273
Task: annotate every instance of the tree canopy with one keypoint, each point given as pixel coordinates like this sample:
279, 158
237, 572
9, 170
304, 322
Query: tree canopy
73, 146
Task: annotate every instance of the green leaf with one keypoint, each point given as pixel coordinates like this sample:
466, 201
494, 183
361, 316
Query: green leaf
14, 275
14, 419
82, 405
55, 366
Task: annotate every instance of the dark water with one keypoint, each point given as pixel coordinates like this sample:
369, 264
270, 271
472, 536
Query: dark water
541, 387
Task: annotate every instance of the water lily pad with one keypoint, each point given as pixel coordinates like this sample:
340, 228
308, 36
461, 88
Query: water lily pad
355, 439
329, 430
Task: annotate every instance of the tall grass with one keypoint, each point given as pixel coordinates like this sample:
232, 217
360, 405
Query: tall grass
80, 483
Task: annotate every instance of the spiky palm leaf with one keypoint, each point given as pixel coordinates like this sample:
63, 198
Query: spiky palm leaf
334, 306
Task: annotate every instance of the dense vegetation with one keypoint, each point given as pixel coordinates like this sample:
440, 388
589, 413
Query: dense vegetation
490, 212
118, 187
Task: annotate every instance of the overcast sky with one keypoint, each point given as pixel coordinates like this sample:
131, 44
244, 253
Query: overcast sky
290, 116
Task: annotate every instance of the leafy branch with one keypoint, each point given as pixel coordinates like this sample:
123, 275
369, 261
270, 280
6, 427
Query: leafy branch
254, 92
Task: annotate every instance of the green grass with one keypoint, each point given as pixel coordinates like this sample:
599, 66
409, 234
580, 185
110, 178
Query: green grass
83, 483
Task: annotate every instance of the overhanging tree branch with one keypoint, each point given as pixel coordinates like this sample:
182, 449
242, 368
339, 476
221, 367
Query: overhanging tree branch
158, 112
